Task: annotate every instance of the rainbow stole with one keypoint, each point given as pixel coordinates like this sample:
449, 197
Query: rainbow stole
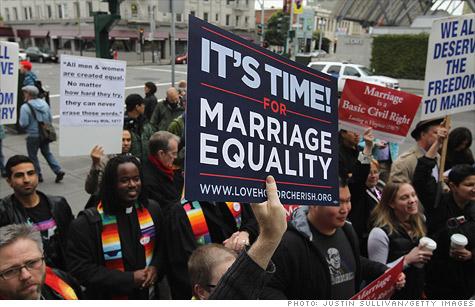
198, 223
59, 286
111, 241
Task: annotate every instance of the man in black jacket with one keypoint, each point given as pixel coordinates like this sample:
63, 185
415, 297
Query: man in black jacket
163, 182
23, 273
51, 215
115, 249
319, 256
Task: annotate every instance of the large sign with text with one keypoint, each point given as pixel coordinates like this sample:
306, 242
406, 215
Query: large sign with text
251, 113
450, 67
389, 112
91, 105
8, 82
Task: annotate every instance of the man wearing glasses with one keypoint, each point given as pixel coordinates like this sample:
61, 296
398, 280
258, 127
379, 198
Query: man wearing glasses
23, 273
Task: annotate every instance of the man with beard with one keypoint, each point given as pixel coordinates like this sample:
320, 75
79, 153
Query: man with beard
114, 248
51, 215
23, 273
167, 110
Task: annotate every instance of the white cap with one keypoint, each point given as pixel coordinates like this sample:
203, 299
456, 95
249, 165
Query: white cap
459, 239
428, 243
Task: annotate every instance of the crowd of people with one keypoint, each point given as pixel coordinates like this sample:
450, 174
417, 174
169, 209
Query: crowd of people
138, 238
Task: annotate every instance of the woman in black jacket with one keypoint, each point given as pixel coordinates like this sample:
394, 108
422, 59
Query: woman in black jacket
450, 274
398, 227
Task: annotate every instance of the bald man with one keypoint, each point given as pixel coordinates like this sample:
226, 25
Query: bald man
167, 110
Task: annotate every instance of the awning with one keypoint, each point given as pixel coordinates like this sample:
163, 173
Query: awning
6, 32
23, 33
123, 34
38, 33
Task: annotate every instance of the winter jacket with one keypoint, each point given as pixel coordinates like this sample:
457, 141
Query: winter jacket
164, 114
402, 170
30, 78
160, 188
86, 257
446, 277
141, 131
27, 119
150, 103
301, 269
11, 212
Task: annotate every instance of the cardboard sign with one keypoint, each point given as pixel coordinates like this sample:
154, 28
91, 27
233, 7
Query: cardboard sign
91, 98
450, 67
251, 113
389, 112
383, 287
8, 82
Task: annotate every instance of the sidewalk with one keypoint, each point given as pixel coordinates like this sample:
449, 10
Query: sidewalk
132, 58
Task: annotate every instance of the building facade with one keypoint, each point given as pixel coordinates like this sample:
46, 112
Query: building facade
69, 24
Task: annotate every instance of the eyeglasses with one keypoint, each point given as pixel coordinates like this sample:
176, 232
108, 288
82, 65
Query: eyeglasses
455, 222
13, 272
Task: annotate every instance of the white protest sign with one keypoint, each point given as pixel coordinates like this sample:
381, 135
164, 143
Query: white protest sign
450, 68
8, 82
91, 100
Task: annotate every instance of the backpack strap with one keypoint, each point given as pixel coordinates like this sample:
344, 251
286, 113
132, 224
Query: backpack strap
33, 112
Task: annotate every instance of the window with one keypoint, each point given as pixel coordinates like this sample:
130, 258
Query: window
228, 17
133, 9
350, 71
38, 12
318, 67
178, 18
217, 17
334, 70
192, 13
237, 21
25, 12
49, 12
246, 21
228, 2
65, 10
60, 11
247, 2
30, 11
205, 16
77, 11
15, 13
89, 9
7, 14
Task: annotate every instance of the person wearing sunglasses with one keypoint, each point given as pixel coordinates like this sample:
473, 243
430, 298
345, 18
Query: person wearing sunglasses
450, 274
23, 272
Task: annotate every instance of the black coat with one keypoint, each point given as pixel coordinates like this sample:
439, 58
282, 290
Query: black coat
150, 103
362, 203
302, 271
160, 188
181, 241
244, 280
87, 258
446, 277
11, 212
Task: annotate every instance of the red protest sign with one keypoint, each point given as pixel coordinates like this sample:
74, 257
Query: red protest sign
383, 287
389, 112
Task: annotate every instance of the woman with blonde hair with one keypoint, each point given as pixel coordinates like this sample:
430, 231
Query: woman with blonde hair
398, 225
